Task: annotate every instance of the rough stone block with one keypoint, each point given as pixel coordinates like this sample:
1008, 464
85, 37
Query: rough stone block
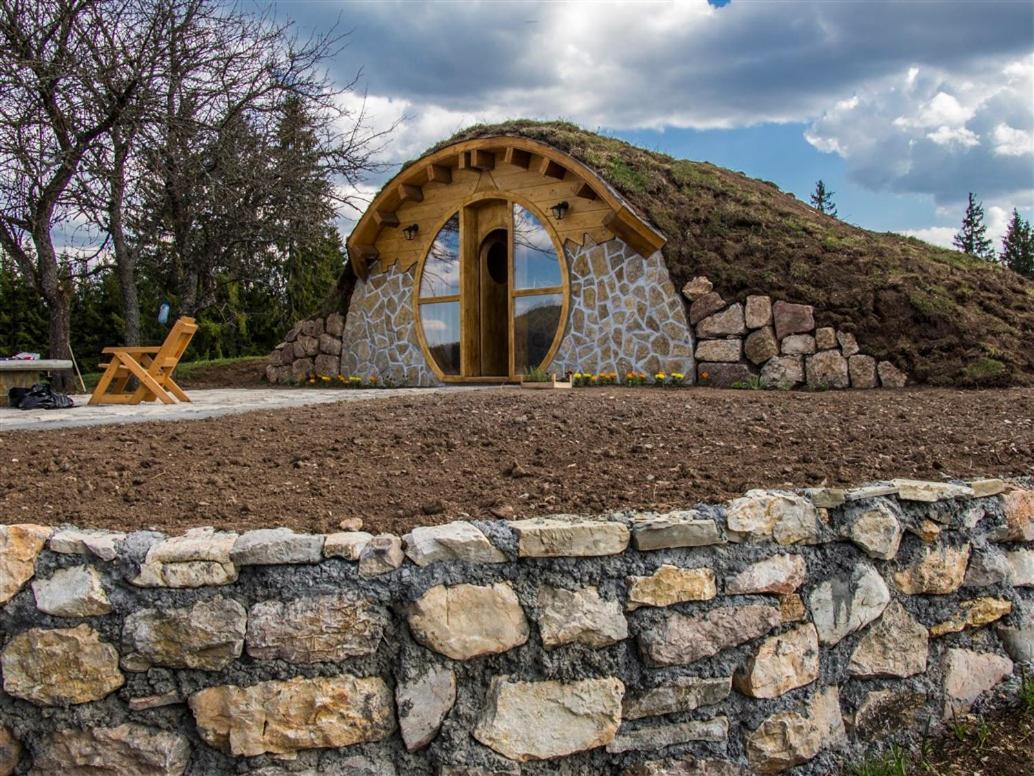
825, 338
545, 720
466, 621
778, 574
842, 605
684, 693
968, 675
758, 311
728, 322
783, 372
10, 752
671, 585
682, 639
277, 717
973, 614
380, 555
789, 738
60, 666
792, 318
130, 749
568, 536
198, 558
782, 663
208, 635
848, 343
329, 366
579, 617
315, 629
1018, 506
877, 530
891, 376
19, 547
721, 375
72, 592
346, 544
334, 325
797, 345
423, 704
696, 288
275, 546
827, 369
669, 734
458, 540
862, 370
705, 305
920, 490
895, 646
937, 571
787, 518
674, 529
761, 345
728, 350
76, 541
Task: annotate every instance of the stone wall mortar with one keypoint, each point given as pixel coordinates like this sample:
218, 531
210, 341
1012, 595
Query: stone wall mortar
696, 636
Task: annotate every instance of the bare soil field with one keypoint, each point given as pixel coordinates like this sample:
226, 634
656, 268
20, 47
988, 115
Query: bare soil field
423, 459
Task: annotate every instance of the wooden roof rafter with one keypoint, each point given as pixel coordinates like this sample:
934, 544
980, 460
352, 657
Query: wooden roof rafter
484, 155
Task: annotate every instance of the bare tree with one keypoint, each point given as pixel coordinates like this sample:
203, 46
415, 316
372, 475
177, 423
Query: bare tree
69, 70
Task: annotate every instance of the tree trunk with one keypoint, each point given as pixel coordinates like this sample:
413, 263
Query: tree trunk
57, 297
125, 255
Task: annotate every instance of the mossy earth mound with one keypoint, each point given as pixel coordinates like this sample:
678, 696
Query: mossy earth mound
944, 317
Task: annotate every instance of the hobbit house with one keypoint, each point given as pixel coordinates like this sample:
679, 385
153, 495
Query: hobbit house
530, 246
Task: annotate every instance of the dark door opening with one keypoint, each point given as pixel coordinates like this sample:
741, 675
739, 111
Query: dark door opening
494, 285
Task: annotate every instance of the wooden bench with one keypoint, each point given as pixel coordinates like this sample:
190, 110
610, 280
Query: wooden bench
15, 373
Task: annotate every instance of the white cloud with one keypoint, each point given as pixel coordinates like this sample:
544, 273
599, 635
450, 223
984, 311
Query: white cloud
1009, 141
954, 136
996, 219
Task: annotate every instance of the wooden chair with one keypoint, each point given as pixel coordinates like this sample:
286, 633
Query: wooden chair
151, 366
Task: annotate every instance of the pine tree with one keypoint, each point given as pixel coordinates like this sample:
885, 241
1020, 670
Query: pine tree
822, 199
972, 237
1018, 246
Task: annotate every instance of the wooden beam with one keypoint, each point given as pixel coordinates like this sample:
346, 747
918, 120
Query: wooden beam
629, 228
551, 169
365, 252
384, 218
585, 191
438, 173
482, 160
517, 157
409, 193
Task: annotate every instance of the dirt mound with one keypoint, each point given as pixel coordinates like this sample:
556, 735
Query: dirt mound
946, 318
430, 458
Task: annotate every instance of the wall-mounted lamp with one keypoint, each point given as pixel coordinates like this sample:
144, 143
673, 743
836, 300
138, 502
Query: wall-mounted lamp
410, 231
559, 210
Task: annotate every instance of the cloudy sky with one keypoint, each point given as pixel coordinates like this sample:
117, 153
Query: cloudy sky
901, 107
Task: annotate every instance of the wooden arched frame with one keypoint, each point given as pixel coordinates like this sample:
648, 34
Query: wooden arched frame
513, 293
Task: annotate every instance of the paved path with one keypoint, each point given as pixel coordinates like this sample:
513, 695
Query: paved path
204, 404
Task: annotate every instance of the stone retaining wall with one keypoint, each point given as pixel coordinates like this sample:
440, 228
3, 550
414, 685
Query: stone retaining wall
783, 629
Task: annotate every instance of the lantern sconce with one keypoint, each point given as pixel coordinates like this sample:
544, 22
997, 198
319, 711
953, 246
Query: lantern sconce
410, 231
559, 210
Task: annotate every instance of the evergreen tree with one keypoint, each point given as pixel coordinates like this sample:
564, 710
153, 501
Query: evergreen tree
822, 200
972, 237
1018, 246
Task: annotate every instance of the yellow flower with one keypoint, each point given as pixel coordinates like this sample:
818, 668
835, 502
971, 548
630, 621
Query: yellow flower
325, 378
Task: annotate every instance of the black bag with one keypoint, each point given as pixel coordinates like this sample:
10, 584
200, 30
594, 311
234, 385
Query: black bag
42, 397
15, 396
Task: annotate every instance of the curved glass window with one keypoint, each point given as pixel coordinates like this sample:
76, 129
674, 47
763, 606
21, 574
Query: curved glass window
535, 321
442, 268
441, 322
535, 263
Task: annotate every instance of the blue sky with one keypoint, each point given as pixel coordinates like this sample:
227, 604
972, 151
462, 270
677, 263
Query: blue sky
900, 107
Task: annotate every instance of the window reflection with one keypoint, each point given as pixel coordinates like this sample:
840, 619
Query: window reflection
535, 321
441, 322
535, 261
442, 268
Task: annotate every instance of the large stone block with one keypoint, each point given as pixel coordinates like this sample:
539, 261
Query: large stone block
685, 765
466, 621
579, 617
929, 492
760, 514
77, 541
72, 592
842, 605
282, 717
877, 530
459, 540
827, 369
329, 366
60, 666
890, 375
896, 645
545, 720
974, 613
705, 305
757, 312
783, 372
208, 635
778, 574
684, 693
686, 528
423, 704
126, 750
315, 629
381, 555
19, 546
797, 345
782, 663
789, 738
792, 318
334, 325
825, 338
719, 350
568, 536
671, 585
938, 571
728, 322
681, 639
696, 288
660, 736
848, 343
968, 675
1018, 506
276, 546
330, 346
862, 370
761, 345
198, 558
346, 544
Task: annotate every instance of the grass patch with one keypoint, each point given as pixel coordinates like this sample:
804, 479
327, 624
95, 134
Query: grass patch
986, 371
894, 762
187, 369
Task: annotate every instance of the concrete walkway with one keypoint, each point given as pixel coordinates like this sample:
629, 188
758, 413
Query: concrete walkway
204, 404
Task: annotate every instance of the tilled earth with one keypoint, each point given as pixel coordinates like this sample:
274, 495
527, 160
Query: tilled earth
430, 458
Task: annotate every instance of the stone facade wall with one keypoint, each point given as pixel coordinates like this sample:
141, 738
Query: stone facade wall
777, 345
625, 314
783, 629
377, 338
